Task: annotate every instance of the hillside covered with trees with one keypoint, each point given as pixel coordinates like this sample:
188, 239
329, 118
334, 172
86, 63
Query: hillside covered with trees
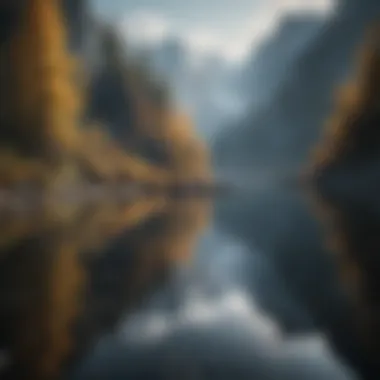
115, 256
345, 180
64, 122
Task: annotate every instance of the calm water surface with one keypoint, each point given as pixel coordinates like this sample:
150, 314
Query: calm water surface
161, 290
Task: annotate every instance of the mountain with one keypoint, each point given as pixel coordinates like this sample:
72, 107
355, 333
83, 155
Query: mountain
169, 58
76, 14
204, 83
269, 64
276, 220
344, 182
138, 109
215, 98
283, 130
95, 114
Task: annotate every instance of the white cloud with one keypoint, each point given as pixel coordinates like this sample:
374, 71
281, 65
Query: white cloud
265, 19
144, 26
148, 26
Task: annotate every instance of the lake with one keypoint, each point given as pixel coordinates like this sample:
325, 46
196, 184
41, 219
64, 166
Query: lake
168, 289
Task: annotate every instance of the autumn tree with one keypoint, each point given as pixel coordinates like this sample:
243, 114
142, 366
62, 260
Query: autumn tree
346, 169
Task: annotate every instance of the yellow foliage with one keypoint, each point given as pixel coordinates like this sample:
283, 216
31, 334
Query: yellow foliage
50, 269
15, 169
346, 170
42, 99
43, 104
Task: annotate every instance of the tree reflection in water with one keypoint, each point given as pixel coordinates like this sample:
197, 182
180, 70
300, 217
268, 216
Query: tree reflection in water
65, 281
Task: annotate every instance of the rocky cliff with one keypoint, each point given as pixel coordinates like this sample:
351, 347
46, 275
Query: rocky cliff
284, 129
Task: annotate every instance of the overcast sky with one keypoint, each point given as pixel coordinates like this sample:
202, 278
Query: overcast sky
230, 26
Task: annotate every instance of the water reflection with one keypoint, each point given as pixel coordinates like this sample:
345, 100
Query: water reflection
67, 279
147, 290
205, 323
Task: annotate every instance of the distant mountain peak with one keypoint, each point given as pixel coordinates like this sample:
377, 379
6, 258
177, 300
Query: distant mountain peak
293, 20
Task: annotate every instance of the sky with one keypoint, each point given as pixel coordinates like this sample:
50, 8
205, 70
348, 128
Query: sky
230, 27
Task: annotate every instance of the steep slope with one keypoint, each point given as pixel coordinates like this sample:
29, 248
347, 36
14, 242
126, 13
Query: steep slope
284, 130
345, 180
39, 104
268, 65
49, 105
137, 110
205, 83
77, 18
276, 220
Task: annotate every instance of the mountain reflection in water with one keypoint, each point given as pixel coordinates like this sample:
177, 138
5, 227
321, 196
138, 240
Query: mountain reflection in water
64, 282
147, 290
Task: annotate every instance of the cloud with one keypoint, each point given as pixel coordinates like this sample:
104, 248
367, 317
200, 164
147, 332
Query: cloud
144, 26
149, 26
265, 19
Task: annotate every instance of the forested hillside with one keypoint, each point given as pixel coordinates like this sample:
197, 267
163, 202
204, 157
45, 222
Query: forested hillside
64, 121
